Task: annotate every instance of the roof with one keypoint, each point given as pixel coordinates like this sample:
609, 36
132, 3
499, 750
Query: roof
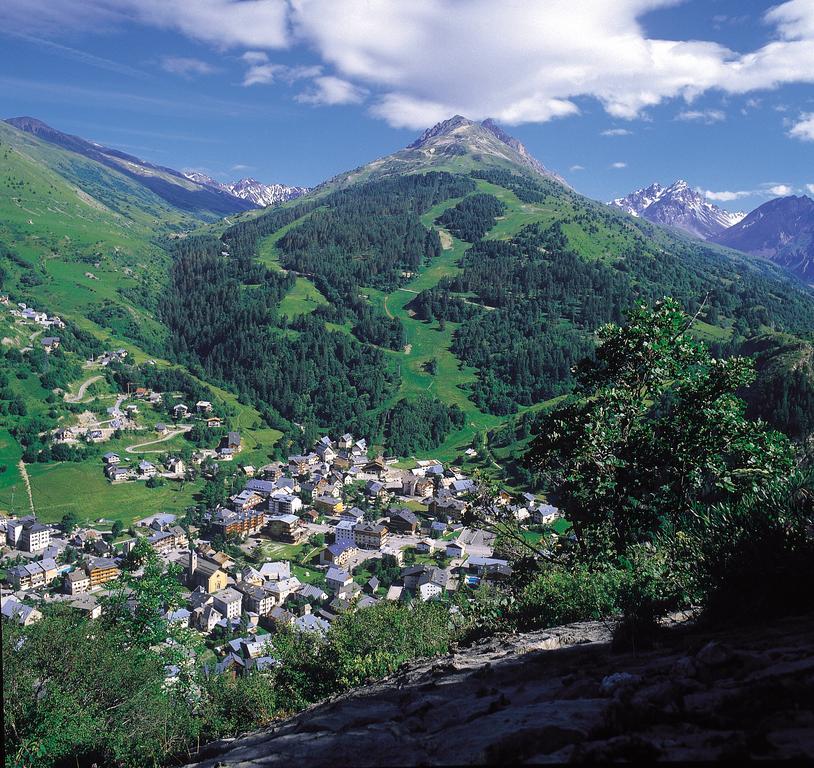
228, 595
405, 514
311, 623
337, 574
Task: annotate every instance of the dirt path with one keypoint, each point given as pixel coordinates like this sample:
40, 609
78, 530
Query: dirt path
136, 448
27, 482
83, 387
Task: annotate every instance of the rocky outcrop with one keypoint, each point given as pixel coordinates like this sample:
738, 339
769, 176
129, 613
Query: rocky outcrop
563, 695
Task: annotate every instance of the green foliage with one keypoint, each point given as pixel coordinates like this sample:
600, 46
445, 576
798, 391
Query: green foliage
419, 425
657, 434
473, 217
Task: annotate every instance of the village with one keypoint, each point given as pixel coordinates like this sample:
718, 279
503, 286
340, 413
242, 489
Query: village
301, 542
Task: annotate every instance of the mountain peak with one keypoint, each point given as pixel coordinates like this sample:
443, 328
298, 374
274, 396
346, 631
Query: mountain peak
680, 206
459, 136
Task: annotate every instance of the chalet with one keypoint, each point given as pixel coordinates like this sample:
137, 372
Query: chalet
117, 474
15, 610
345, 442
146, 470
213, 422
376, 467
28, 535
203, 406
76, 582
175, 464
228, 602
111, 458
33, 575
370, 535
131, 410
311, 592
257, 599
275, 571
244, 522
287, 528
245, 500
426, 546
354, 515
263, 487
402, 521
64, 435
455, 549
232, 440
337, 554
161, 428
437, 529
101, 570
375, 489
95, 435
281, 617
462, 487
140, 392
344, 535
328, 505
280, 590
162, 541
226, 454
50, 343
338, 580
545, 514
416, 485
180, 411
284, 504
371, 585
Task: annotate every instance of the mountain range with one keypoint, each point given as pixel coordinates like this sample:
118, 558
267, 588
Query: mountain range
458, 284
781, 230
678, 205
262, 195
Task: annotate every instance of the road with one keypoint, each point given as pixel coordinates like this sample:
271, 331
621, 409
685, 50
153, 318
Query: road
172, 433
83, 387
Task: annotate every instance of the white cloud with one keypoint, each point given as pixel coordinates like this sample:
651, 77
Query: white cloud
810, 188
707, 116
186, 67
524, 61
616, 132
577, 168
781, 190
618, 165
804, 128
264, 74
329, 90
252, 58
726, 196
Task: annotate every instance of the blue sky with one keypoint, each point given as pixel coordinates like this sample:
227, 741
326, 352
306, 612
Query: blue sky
612, 94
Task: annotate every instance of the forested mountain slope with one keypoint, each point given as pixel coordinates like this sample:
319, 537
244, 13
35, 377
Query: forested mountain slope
477, 285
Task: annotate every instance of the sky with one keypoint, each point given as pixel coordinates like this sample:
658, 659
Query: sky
612, 94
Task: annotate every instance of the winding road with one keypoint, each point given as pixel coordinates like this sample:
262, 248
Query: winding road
83, 387
136, 448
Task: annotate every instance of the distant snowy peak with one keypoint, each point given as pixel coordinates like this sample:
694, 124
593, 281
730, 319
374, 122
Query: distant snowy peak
680, 206
262, 195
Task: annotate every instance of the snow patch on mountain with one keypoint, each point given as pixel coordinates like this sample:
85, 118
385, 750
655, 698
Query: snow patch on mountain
680, 206
262, 195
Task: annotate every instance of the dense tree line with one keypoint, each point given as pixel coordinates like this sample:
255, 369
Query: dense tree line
473, 217
420, 425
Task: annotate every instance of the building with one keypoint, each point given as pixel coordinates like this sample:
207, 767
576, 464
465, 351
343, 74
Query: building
227, 522
228, 602
203, 406
245, 500
455, 549
337, 554
287, 528
14, 610
344, 535
77, 582
101, 570
281, 589
338, 580
257, 599
328, 505
34, 537
50, 343
275, 571
370, 535
353, 515
111, 458
180, 411
233, 441
402, 521
33, 575
146, 470
284, 504
203, 573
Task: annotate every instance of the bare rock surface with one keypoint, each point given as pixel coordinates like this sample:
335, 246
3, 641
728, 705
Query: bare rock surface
563, 695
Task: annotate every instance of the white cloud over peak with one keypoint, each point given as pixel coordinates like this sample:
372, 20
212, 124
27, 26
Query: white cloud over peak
616, 132
781, 190
726, 196
420, 61
810, 188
